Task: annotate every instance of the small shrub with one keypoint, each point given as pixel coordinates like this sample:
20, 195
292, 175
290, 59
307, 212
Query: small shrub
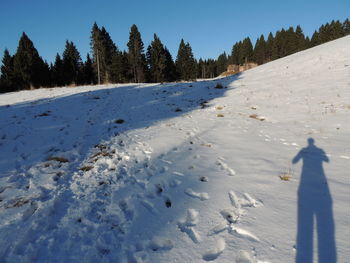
17, 203
286, 175
255, 116
58, 159
101, 146
220, 115
86, 168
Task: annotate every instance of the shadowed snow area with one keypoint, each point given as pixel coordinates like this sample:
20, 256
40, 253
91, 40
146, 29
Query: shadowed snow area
182, 172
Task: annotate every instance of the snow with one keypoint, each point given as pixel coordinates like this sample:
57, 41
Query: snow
193, 174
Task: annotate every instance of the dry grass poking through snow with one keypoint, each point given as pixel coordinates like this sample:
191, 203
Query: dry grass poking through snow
58, 159
255, 116
286, 175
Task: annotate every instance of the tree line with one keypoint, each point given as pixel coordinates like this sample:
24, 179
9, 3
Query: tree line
107, 64
282, 43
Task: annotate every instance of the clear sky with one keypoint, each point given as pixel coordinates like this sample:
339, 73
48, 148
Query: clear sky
211, 26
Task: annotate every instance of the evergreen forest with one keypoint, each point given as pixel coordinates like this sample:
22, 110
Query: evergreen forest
106, 63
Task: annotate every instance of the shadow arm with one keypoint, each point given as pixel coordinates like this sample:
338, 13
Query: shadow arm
325, 158
297, 157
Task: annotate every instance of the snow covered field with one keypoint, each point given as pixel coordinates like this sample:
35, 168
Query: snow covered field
182, 172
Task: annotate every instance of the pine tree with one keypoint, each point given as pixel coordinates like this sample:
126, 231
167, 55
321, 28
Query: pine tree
103, 50
156, 60
161, 65
212, 68
72, 65
246, 51
269, 47
336, 30
29, 68
45, 75
88, 71
315, 39
120, 68
200, 69
170, 68
307, 43
57, 72
346, 27
280, 48
290, 42
300, 39
260, 50
137, 58
221, 63
7, 80
235, 56
185, 62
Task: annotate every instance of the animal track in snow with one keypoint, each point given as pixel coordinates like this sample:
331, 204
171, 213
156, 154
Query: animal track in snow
230, 215
202, 196
225, 167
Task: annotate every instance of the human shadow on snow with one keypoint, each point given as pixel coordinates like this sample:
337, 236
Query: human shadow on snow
314, 207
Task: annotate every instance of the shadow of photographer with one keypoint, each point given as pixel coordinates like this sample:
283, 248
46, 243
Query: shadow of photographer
314, 208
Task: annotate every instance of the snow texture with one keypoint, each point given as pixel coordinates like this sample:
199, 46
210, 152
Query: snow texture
163, 185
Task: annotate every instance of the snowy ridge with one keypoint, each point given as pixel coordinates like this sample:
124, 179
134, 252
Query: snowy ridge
178, 172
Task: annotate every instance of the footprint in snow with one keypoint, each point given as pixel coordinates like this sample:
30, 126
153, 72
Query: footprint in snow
149, 206
128, 212
187, 225
243, 257
225, 167
202, 196
241, 233
158, 244
215, 251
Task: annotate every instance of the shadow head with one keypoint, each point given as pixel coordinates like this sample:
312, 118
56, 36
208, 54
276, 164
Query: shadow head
311, 141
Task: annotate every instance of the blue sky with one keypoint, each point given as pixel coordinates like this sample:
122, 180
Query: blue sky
211, 27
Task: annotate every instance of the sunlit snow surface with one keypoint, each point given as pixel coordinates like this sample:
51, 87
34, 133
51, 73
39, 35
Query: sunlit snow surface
189, 173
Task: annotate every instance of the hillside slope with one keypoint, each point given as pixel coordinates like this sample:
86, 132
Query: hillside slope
182, 172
